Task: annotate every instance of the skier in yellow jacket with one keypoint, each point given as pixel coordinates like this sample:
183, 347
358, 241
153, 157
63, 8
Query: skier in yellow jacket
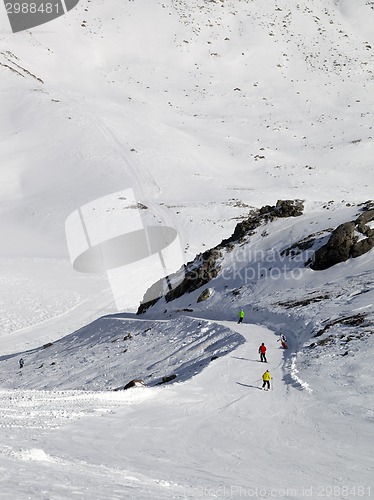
266, 377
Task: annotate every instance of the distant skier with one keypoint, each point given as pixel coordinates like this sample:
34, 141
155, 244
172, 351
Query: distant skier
266, 377
241, 316
262, 352
21, 363
283, 341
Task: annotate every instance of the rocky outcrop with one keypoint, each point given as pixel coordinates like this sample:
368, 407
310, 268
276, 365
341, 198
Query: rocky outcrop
205, 267
365, 217
337, 249
283, 208
268, 213
364, 245
345, 242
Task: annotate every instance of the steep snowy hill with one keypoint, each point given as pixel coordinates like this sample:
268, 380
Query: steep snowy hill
206, 110
244, 102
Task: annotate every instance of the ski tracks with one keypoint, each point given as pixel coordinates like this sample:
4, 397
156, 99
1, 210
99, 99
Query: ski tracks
49, 410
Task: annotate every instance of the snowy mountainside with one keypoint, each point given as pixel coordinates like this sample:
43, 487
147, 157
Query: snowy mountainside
216, 431
204, 109
322, 313
207, 110
257, 100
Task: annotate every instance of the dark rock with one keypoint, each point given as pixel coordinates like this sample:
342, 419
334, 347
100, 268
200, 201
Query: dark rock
355, 320
337, 249
365, 217
363, 229
205, 294
149, 303
343, 242
304, 302
289, 208
166, 379
200, 272
134, 383
362, 246
45, 346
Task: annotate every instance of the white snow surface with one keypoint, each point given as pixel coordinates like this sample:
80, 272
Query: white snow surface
205, 109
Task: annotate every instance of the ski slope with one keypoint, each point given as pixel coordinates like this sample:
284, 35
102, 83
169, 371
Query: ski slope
205, 109
216, 434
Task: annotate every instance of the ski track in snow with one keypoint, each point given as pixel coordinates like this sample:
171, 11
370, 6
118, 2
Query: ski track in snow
51, 409
294, 374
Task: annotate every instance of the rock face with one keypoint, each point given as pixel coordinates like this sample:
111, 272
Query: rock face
337, 249
284, 208
205, 266
268, 213
366, 244
362, 246
345, 242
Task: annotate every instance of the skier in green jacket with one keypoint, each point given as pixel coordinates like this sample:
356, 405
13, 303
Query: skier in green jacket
241, 316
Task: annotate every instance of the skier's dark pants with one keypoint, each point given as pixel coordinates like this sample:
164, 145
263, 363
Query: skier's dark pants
266, 382
240, 320
263, 357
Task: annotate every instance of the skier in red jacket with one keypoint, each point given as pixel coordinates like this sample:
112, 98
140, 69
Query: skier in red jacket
262, 352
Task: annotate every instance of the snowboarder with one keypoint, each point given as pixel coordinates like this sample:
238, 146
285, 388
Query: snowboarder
21, 363
266, 377
241, 316
283, 341
262, 352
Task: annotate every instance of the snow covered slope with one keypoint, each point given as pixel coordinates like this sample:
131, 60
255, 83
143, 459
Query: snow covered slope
242, 102
209, 431
204, 109
216, 433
